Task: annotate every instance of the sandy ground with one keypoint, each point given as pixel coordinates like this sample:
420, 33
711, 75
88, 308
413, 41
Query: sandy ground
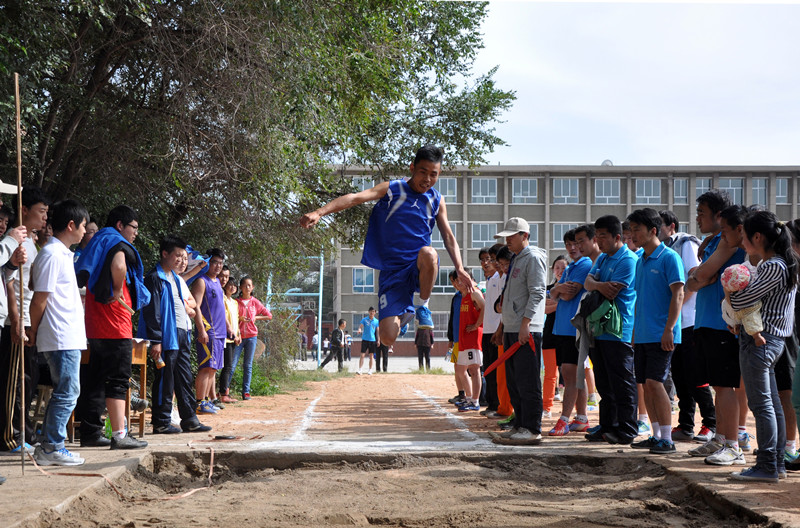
385, 450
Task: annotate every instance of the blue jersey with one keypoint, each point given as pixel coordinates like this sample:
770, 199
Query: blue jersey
370, 328
654, 277
708, 306
566, 310
619, 267
399, 226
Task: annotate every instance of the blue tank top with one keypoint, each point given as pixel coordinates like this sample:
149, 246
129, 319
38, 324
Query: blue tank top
399, 226
213, 309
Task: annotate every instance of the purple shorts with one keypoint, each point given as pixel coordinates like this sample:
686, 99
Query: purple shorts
211, 354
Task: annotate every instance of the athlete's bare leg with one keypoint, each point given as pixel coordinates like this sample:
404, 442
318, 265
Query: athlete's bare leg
428, 265
389, 329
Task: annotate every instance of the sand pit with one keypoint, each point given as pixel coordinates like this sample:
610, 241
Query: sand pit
405, 490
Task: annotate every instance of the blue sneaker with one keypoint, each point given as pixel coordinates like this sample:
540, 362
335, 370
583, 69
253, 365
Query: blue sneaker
744, 441
755, 474
403, 330
424, 317
469, 407
790, 456
663, 447
205, 407
644, 427
593, 430
29, 448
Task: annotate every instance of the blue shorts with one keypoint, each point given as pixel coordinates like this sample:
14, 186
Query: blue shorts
396, 291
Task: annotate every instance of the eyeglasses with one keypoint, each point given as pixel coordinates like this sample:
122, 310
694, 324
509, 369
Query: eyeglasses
487, 259
134, 227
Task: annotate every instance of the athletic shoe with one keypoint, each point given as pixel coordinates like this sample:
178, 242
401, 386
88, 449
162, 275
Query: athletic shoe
663, 447
781, 474
205, 407
166, 429
578, 425
557, 397
709, 448
726, 457
508, 419
403, 330
679, 435
139, 404
644, 427
755, 474
522, 437
216, 408
744, 441
509, 433
370, 372
195, 428
704, 435
494, 415
469, 407
594, 429
461, 403
424, 317
454, 398
506, 426
61, 457
547, 414
218, 404
613, 438
561, 428
595, 436
127, 442
246, 396
29, 448
96, 441
650, 443
790, 456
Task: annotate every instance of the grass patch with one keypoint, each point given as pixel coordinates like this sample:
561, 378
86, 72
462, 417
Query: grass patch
436, 371
298, 379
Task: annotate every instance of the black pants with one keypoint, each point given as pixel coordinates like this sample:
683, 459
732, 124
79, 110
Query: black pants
107, 375
227, 369
689, 394
524, 382
335, 351
616, 382
175, 376
11, 392
489, 357
424, 357
382, 351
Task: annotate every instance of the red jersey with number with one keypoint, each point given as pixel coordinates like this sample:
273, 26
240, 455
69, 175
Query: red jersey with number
469, 316
108, 321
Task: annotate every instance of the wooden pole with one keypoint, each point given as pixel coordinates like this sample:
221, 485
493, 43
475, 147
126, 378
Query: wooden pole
21, 346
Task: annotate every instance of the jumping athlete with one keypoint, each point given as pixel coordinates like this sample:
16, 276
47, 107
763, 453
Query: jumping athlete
398, 241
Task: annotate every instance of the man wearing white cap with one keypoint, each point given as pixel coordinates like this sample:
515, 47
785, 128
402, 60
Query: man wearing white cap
523, 321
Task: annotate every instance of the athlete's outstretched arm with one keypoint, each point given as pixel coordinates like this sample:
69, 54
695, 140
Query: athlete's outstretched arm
451, 244
344, 202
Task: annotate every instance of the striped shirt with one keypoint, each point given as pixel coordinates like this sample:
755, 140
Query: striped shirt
770, 287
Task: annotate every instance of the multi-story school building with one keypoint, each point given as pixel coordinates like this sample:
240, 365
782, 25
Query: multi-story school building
554, 199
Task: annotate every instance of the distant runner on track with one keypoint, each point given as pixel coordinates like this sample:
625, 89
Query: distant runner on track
398, 241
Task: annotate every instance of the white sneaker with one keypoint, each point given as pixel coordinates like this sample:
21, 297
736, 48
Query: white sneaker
358, 372
726, 456
547, 414
369, 372
707, 449
524, 437
61, 457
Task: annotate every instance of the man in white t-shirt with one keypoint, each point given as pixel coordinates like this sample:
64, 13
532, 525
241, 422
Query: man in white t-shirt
683, 357
57, 329
491, 321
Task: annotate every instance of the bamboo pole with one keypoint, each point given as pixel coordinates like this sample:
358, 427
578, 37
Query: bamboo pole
21, 345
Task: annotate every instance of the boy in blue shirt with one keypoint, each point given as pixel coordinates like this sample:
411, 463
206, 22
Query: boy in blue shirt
613, 276
659, 297
368, 328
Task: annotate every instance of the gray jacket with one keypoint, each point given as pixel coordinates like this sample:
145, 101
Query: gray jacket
7, 247
524, 293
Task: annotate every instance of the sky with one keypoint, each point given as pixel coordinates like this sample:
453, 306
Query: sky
674, 83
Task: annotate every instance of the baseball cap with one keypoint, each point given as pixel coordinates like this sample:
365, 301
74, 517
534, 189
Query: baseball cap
513, 226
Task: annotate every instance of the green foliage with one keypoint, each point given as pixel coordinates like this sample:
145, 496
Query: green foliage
223, 121
436, 371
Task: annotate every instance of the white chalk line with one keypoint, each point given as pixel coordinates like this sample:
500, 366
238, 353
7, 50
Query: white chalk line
308, 418
459, 424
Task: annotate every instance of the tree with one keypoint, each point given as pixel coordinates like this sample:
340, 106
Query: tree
225, 120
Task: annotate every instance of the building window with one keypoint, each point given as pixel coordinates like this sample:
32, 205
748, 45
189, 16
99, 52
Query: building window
443, 281
702, 185
523, 190
449, 189
436, 236
362, 183
363, 280
648, 191
760, 191
484, 190
483, 235
565, 191
440, 320
606, 191
782, 191
534, 239
683, 228
680, 195
732, 186
558, 234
